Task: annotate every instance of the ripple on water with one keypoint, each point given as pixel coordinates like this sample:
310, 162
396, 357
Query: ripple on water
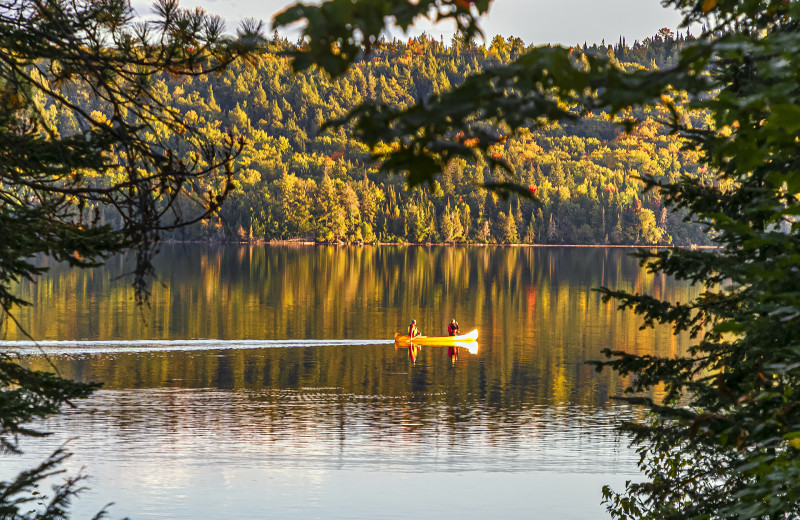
325, 429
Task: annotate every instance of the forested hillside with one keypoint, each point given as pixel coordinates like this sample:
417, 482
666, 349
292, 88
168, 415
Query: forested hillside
294, 182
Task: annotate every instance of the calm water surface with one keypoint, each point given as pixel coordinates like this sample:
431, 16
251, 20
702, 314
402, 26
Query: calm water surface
262, 382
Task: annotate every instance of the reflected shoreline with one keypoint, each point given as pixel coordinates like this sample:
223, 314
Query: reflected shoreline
539, 319
307, 243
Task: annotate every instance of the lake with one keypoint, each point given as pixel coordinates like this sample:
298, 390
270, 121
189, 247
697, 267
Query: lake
262, 381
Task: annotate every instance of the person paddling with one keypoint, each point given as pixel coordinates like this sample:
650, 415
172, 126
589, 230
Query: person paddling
452, 329
413, 332
452, 352
413, 350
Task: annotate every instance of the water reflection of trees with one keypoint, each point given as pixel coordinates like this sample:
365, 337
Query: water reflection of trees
538, 319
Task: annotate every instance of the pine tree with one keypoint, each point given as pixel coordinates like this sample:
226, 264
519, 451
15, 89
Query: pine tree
508, 232
349, 203
530, 231
326, 208
446, 224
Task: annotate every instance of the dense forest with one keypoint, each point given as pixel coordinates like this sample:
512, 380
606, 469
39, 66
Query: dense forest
294, 182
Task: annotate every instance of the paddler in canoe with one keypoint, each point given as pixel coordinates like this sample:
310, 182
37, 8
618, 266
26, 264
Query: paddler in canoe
413, 349
413, 331
452, 330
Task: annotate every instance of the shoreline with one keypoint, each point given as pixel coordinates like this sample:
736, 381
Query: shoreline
310, 243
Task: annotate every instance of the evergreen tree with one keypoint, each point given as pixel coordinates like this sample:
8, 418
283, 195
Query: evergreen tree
350, 206
446, 225
508, 231
327, 204
530, 231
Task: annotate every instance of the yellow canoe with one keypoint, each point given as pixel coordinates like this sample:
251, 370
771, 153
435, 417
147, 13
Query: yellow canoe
401, 340
469, 346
